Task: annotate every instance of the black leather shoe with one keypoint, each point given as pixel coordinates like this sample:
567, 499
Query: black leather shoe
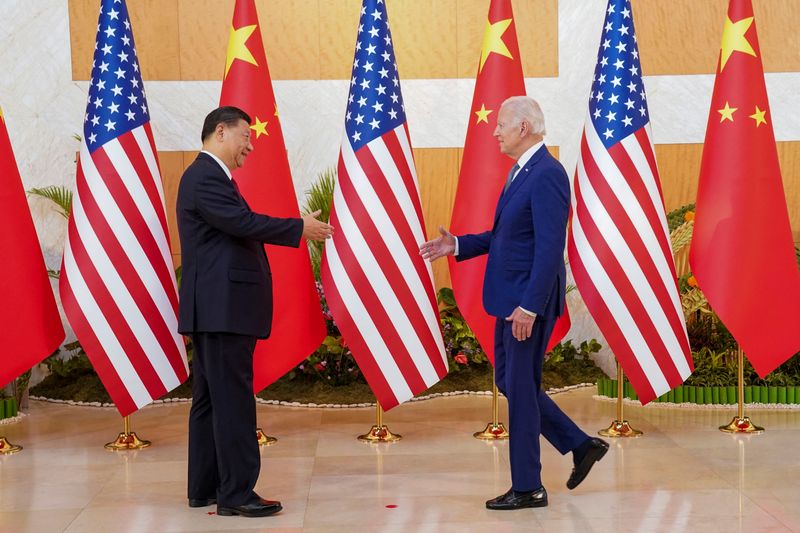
518, 500
201, 502
252, 510
597, 448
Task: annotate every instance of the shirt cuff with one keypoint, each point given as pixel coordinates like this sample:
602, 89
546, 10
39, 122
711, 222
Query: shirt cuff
456, 250
529, 313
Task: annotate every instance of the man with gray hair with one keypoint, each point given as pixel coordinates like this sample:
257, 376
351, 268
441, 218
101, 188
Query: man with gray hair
524, 287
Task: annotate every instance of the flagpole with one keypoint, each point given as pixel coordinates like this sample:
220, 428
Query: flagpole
6, 448
495, 430
741, 423
620, 427
127, 440
379, 432
264, 439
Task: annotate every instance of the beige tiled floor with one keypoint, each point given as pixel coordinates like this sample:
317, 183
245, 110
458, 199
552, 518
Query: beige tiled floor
682, 475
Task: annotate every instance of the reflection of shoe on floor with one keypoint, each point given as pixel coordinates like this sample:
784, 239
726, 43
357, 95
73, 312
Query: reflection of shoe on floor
201, 502
252, 510
518, 500
585, 457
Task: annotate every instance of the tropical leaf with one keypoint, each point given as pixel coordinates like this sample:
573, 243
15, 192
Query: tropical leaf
59, 195
319, 198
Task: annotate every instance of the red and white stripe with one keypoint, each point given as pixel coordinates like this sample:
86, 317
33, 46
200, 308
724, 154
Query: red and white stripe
621, 258
117, 281
378, 287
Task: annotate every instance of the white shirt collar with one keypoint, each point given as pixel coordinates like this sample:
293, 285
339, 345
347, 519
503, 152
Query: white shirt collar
526, 156
219, 161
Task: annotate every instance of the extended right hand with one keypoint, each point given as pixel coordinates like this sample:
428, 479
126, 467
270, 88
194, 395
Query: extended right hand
314, 229
439, 247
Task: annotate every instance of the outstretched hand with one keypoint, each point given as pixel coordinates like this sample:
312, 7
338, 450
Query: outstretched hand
443, 245
314, 229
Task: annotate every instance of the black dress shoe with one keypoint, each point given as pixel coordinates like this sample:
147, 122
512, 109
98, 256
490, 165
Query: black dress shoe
596, 449
201, 502
252, 510
518, 500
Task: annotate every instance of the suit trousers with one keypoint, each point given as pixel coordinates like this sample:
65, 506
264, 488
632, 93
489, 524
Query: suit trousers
531, 412
224, 460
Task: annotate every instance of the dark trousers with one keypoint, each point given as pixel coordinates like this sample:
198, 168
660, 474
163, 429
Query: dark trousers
531, 412
224, 460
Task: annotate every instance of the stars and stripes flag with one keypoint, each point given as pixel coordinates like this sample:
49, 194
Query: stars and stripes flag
619, 246
379, 289
117, 280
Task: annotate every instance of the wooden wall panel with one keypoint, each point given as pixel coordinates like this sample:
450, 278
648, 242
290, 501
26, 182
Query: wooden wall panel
187, 39
155, 32
683, 36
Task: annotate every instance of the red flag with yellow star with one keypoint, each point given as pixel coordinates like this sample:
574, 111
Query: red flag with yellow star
32, 327
742, 253
265, 181
484, 169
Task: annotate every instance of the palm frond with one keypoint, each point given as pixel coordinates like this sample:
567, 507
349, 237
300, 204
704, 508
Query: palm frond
319, 198
59, 195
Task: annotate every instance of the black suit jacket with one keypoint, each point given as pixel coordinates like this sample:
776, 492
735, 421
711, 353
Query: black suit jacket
226, 283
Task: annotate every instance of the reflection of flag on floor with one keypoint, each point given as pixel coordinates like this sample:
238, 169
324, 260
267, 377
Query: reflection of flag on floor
265, 181
378, 287
619, 246
117, 281
32, 328
742, 253
484, 169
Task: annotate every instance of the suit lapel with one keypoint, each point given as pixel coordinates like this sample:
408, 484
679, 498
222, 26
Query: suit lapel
522, 176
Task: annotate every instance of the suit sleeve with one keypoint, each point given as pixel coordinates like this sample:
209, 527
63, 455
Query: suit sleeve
473, 245
219, 204
550, 205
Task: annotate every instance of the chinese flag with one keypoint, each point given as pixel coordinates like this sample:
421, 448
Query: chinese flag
298, 327
32, 327
742, 253
484, 169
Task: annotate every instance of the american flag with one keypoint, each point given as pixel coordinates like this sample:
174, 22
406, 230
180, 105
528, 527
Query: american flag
379, 289
619, 246
117, 283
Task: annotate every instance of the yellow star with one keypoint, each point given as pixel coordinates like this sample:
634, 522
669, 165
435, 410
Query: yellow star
276, 109
493, 41
758, 116
2, 119
237, 49
260, 127
727, 112
733, 40
483, 114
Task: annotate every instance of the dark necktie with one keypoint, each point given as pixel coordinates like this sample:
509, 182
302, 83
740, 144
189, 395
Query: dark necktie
510, 177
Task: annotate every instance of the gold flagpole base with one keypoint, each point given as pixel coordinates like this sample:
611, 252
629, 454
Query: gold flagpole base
127, 441
620, 429
380, 434
742, 425
6, 448
264, 439
492, 432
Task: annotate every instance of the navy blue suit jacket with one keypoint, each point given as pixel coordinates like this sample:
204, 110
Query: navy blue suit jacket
525, 267
226, 283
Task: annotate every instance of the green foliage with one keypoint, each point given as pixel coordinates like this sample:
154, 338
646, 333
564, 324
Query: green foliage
460, 343
319, 198
59, 195
676, 218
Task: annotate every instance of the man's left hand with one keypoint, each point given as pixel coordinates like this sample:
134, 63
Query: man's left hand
522, 324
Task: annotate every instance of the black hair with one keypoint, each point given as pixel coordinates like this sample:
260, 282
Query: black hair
228, 115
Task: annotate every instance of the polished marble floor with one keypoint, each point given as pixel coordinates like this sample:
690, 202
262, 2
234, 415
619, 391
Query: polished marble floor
682, 475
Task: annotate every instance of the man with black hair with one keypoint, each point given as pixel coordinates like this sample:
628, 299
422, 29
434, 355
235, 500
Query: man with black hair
225, 306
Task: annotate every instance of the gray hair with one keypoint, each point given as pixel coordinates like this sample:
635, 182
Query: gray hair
526, 109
